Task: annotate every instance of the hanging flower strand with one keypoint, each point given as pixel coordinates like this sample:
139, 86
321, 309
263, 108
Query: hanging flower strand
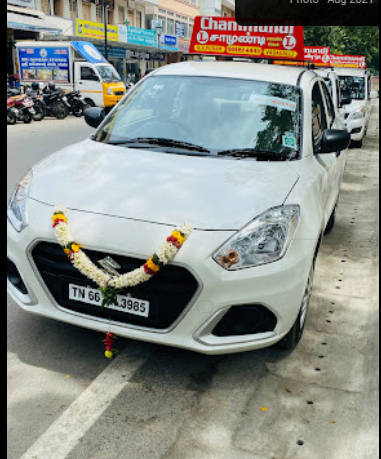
106, 282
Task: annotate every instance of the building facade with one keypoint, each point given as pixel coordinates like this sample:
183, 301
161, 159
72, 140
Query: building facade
142, 34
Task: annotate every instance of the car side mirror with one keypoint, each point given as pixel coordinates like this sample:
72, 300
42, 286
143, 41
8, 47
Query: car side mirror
94, 116
334, 140
374, 95
346, 100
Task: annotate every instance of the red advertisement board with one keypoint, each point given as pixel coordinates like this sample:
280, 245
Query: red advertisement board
319, 55
354, 62
266, 39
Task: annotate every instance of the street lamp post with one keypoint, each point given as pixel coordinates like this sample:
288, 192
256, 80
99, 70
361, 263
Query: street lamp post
159, 31
105, 25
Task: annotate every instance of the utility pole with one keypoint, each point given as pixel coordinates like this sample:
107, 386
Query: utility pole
105, 25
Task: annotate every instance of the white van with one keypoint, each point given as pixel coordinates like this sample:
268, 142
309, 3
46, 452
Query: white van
75, 65
356, 83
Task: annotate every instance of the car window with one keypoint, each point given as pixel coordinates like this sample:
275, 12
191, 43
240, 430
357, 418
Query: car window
330, 106
353, 86
319, 116
215, 113
88, 73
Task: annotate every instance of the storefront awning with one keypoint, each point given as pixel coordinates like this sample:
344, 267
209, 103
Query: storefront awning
31, 23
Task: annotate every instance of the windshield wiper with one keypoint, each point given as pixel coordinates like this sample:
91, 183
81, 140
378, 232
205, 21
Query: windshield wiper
256, 153
161, 142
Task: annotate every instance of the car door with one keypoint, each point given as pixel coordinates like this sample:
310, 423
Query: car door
89, 83
321, 121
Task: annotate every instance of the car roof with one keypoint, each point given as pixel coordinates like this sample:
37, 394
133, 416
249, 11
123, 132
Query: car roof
238, 70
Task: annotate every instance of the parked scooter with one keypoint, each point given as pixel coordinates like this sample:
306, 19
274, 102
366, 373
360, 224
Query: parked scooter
34, 93
77, 103
21, 107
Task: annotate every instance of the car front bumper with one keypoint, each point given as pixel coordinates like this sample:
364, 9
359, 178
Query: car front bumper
356, 128
279, 287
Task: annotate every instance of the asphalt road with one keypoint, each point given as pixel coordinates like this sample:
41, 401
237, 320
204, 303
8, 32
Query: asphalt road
66, 401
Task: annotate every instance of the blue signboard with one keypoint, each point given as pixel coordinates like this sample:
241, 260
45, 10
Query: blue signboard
44, 64
144, 37
169, 42
180, 29
89, 52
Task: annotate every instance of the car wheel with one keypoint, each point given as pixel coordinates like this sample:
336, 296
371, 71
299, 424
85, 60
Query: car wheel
291, 340
357, 143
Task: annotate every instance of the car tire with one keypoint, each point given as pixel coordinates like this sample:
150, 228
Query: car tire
293, 337
357, 143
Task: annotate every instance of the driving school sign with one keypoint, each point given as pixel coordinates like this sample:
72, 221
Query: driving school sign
267, 39
355, 62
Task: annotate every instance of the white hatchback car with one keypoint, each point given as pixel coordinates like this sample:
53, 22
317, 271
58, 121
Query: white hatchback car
250, 156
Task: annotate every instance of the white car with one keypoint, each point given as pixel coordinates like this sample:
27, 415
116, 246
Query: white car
332, 81
249, 156
356, 83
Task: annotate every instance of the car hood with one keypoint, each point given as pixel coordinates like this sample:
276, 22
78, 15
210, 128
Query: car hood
207, 193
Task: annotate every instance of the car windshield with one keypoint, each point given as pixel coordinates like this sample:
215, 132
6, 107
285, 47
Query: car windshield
353, 86
108, 74
216, 114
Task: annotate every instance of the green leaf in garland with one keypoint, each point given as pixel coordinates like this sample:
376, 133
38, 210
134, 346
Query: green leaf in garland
109, 296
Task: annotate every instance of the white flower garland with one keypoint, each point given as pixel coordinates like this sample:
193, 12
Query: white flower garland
82, 262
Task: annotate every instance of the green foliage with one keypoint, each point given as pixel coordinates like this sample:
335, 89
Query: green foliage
109, 296
356, 40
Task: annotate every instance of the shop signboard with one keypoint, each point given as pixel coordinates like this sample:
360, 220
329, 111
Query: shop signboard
179, 29
320, 55
95, 30
44, 64
123, 35
265, 39
142, 37
28, 3
341, 60
169, 42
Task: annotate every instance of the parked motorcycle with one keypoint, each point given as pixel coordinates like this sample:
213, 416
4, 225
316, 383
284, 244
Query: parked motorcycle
77, 103
21, 108
55, 105
34, 93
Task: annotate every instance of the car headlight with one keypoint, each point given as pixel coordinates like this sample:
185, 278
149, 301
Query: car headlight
110, 92
18, 205
264, 240
357, 114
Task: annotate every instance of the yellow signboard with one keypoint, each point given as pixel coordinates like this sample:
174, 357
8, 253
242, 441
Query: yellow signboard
95, 30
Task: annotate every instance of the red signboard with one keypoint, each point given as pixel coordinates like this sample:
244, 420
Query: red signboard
319, 55
266, 39
341, 60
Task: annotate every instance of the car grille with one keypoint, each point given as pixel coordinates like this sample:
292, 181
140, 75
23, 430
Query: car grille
119, 93
169, 293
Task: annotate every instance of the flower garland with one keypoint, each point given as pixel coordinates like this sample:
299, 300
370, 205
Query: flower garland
108, 284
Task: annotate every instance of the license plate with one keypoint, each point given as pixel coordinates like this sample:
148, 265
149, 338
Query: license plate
126, 303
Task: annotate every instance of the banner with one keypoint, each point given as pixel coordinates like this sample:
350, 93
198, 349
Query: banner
354, 62
320, 55
44, 64
266, 39
95, 30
